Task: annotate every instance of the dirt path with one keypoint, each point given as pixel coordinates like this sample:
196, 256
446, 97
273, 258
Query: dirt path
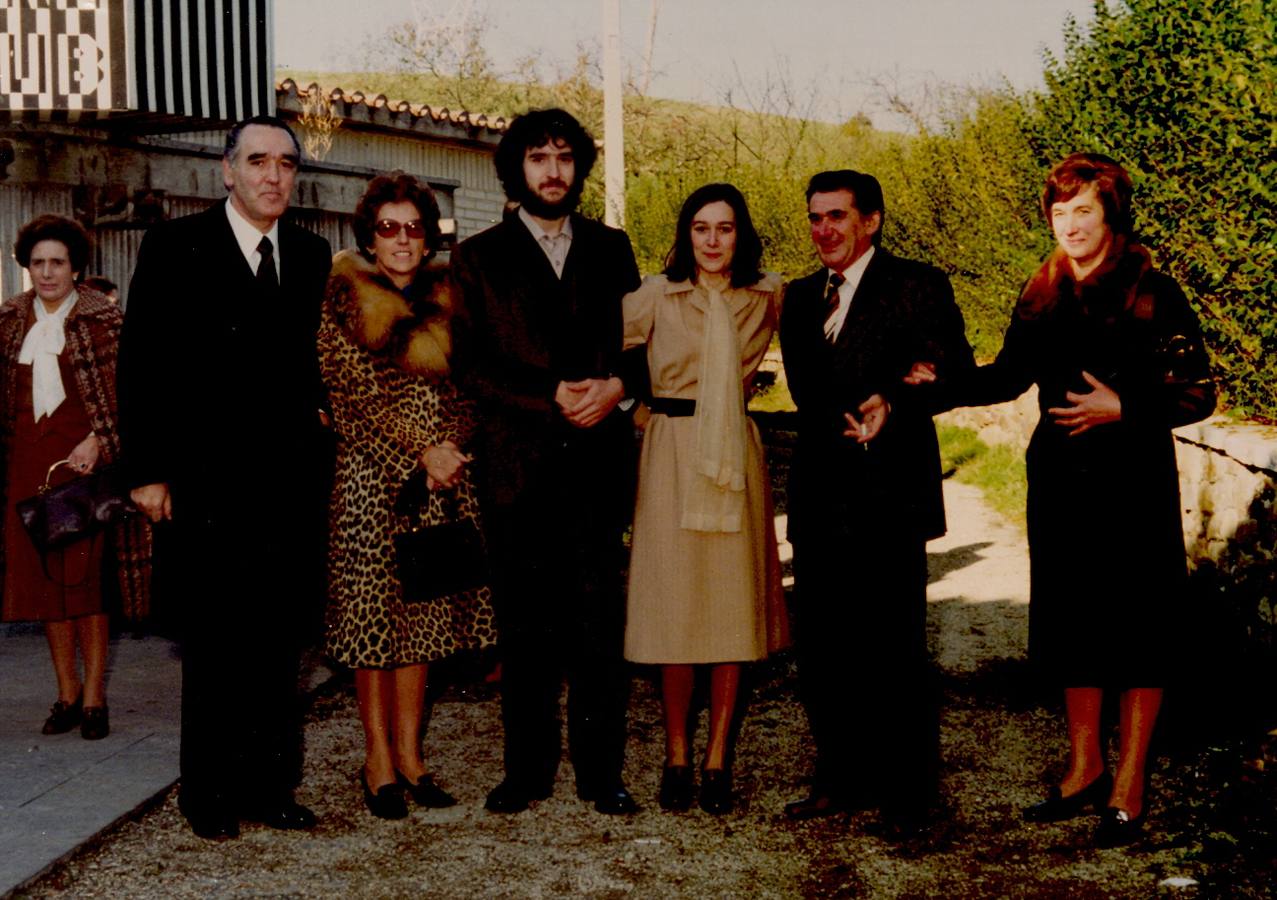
999, 747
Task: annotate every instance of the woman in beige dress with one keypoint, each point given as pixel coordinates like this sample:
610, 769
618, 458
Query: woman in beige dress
704, 575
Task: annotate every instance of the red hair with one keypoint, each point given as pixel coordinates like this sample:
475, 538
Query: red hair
1076, 172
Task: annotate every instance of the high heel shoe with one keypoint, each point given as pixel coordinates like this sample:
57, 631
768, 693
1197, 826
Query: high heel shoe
1118, 828
1056, 807
716, 791
96, 723
387, 802
676, 789
64, 716
425, 792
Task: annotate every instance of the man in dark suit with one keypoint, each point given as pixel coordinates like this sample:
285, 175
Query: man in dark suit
219, 396
864, 497
539, 345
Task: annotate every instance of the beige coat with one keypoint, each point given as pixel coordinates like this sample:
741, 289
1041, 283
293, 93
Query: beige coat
699, 597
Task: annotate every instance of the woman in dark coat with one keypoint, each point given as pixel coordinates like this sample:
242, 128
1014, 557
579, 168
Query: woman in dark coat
58, 344
384, 347
1117, 355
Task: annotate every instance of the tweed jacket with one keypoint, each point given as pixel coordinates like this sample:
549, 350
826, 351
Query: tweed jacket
903, 311
92, 343
520, 330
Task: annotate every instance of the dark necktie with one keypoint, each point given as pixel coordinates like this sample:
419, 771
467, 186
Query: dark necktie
267, 277
831, 302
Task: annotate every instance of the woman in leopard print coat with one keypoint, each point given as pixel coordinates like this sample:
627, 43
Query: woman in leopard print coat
384, 345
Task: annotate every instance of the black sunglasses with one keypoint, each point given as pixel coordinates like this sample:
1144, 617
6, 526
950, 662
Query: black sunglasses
388, 228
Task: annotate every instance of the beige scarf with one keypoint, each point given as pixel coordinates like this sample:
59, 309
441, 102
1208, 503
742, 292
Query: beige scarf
715, 500
40, 350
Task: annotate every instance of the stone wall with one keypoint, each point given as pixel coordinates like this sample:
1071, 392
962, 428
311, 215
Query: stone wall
1227, 469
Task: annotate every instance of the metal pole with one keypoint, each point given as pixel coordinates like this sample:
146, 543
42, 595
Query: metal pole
613, 117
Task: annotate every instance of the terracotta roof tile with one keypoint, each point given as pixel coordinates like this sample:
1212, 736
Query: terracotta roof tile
356, 106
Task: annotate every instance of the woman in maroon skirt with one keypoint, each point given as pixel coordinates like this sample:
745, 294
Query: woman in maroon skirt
57, 402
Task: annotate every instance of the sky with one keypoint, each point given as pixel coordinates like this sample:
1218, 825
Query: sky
836, 56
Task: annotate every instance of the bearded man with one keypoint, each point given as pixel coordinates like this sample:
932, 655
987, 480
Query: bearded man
539, 347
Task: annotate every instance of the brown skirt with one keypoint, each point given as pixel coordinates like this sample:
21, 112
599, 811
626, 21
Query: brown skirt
72, 584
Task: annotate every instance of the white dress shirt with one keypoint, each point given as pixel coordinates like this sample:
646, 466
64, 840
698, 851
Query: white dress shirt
248, 237
846, 291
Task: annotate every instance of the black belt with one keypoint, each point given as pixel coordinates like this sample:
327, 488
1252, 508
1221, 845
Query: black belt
672, 406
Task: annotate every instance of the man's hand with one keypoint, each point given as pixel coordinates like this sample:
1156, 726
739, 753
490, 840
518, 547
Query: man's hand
922, 372
587, 403
85, 455
153, 500
873, 415
1096, 407
444, 464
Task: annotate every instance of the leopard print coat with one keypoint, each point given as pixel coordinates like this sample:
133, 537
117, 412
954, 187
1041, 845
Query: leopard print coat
384, 356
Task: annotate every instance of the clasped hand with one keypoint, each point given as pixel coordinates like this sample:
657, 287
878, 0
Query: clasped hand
1096, 407
444, 464
586, 403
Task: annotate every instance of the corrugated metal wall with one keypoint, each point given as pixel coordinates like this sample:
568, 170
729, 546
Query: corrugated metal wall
19, 203
472, 168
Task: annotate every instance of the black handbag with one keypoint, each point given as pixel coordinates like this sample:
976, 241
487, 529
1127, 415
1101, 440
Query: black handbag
63, 514
436, 561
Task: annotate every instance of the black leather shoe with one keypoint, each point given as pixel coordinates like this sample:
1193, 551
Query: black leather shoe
285, 815
96, 723
387, 802
63, 716
1118, 828
426, 793
512, 797
212, 822
716, 791
614, 801
677, 786
1057, 808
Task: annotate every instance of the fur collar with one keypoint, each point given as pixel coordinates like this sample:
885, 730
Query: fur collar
1114, 283
410, 326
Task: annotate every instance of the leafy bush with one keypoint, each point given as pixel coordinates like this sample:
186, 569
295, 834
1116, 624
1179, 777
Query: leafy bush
1184, 93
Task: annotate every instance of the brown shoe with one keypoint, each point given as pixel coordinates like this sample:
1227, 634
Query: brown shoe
63, 716
96, 723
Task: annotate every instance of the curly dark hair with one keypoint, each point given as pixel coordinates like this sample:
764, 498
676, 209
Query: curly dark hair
680, 262
536, 128
54, 228
1075, 172
395, 187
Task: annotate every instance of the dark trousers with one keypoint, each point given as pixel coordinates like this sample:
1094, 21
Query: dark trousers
864, 674
239, 622
557, 558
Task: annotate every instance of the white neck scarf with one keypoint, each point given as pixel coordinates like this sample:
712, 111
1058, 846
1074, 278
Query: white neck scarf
715, 500
40, 351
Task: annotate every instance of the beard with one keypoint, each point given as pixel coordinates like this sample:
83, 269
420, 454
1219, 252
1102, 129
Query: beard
544, 209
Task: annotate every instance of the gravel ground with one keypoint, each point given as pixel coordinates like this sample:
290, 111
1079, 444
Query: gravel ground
1212, 826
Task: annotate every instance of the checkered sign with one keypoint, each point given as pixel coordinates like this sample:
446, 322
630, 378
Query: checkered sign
62, 55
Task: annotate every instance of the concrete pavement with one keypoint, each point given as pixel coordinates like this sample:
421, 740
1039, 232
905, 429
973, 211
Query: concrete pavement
58, 792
